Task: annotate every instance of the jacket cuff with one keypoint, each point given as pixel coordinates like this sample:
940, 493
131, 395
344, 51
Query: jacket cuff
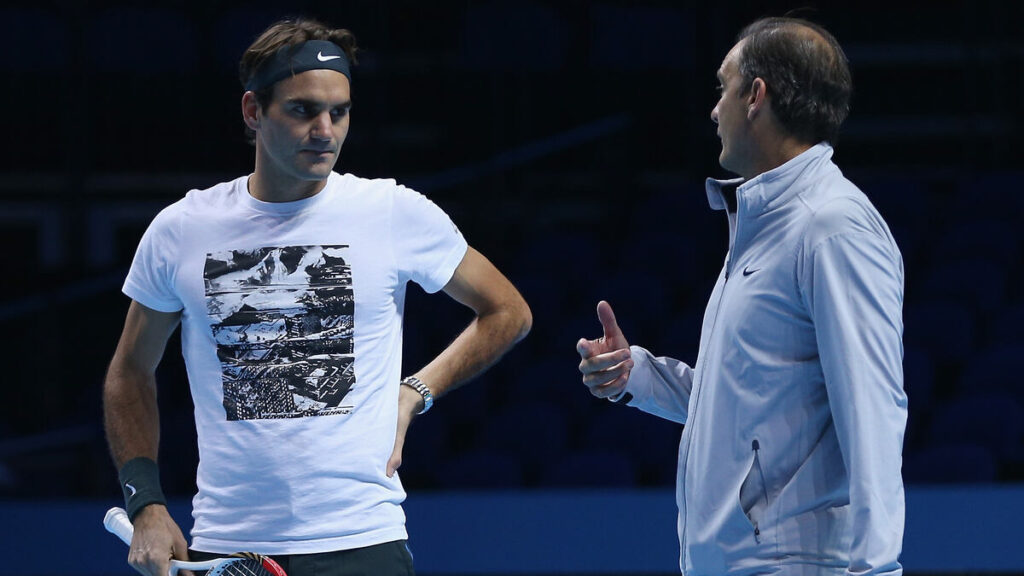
637, 376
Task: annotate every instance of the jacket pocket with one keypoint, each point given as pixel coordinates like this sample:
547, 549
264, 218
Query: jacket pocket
754, 491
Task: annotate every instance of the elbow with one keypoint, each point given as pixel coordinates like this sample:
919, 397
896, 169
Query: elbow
525, 317
517, 318
508, 321
125, 377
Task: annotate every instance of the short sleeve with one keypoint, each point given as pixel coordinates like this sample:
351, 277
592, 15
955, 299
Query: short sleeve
150, 280
428, 245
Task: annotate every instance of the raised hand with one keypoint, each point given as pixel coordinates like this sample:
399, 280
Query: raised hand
606, 362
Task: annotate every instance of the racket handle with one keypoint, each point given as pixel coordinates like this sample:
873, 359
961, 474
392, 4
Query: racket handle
116, 522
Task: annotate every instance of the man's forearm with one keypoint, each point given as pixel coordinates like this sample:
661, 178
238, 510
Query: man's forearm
477, 348
130, 414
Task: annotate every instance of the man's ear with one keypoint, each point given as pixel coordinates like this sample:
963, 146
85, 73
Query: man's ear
757, 98
250, 110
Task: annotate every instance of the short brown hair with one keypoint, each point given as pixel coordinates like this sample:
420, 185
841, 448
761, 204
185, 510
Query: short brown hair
288, 32
806, 71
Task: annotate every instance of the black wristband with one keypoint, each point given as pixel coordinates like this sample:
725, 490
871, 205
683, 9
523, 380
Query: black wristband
140, 482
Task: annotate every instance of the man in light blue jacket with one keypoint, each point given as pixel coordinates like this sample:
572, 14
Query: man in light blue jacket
795, 412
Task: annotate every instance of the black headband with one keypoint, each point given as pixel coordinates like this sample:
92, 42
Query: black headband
292, 59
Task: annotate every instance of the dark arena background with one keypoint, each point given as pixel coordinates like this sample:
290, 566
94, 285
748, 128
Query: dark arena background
569, 141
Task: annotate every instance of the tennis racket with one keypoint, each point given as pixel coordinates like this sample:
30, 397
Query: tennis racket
241, 564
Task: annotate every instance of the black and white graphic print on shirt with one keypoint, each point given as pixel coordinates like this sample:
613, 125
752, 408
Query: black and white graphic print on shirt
283, 321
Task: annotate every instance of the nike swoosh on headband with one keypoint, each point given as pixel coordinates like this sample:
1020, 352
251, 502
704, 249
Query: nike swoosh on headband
290, 60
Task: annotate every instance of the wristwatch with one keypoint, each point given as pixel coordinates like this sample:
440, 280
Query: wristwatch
418, 385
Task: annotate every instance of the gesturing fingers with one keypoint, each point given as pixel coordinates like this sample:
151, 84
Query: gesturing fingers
587, 348
603, 362
607, 384
606, 375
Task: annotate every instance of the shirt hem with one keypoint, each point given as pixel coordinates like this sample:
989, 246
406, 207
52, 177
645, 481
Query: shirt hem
449, 265
132, 291
319, 545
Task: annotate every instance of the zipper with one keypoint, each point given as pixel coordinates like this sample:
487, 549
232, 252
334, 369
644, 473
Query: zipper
756, 447
698, 386
734, 235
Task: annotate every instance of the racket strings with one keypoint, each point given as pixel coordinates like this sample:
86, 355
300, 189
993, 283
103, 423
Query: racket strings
241, 567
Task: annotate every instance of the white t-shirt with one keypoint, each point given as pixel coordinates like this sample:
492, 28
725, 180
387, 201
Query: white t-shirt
292, 337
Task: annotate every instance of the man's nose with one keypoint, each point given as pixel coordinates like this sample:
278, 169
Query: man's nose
714, 114
322, 126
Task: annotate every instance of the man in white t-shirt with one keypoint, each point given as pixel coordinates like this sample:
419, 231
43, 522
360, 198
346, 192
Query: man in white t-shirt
289, 286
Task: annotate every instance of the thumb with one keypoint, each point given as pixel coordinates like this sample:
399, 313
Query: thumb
608, 322
394, 463
395, 460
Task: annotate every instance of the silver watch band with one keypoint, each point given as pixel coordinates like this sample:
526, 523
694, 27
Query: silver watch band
418, 385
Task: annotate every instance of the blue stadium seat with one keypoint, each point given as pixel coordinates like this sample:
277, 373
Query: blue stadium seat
978, 283
1006, 325
918, 377
642, 298
908, 242
495, 30
166, 39
480, 469
989, 239
35, 41
465, 406
946, 329
995, 368
591, 469
426, 442
536, 432
981, 190
556, 378
560, 257
564, 264
630, 37
649, 440
954, 463
179, 457
903, 200
235, 30
988, 418
544, 296
674, 204
669, 251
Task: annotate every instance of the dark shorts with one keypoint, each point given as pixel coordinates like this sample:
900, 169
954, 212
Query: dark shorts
388, 559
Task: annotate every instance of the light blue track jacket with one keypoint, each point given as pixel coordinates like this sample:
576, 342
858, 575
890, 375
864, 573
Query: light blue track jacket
795, 411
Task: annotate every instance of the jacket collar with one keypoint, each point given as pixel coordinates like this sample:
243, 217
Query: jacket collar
770, 188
